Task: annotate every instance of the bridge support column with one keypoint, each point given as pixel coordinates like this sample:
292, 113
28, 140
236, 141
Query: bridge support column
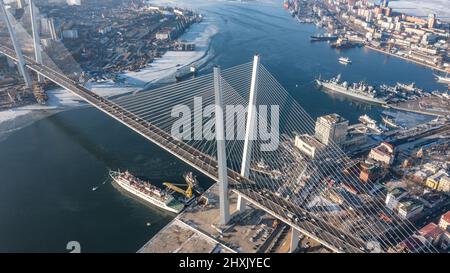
221, 153
294, 240
36, 38
250, 130
16, 45
241, 203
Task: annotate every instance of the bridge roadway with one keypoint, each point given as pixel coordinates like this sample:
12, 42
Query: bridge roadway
294, 215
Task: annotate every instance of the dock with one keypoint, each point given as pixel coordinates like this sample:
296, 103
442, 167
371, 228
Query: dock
194, 230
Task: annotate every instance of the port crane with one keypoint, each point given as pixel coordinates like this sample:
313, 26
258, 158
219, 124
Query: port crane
175, 187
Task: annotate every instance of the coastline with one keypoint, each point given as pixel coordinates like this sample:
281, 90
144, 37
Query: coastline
404, 58
159, 71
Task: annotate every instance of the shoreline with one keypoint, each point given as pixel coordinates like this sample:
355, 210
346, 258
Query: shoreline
159, 71
405, 58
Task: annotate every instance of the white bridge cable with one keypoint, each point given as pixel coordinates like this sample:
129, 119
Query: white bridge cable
282, 188
233, 161
162, 112
239, 154
56, 55
185, 86
311, 121
154, 107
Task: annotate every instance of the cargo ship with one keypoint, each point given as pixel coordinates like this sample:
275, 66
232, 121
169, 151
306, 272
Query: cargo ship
359, 90
146, 191
343, 43
322, 37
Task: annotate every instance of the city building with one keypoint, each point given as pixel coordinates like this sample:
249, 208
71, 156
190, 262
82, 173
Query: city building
431, 20
383, 153
413, 244
355, 138
434, 181
308, 145
70, 34
444, 184
444, 222
408, 208
164, 34
393, 198
445, 241
20, 4
331, 129
370, 171
433, 233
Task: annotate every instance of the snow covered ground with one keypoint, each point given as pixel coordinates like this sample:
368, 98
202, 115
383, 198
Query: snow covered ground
161, 69
422, 8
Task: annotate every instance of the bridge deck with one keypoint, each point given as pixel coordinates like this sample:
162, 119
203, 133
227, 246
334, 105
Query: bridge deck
288, 212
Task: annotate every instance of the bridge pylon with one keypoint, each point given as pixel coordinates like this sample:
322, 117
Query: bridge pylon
36, 38
17, 48
250, 130
293, 244
221, 153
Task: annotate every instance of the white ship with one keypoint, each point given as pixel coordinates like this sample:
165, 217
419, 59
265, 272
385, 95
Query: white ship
370, 123
344, 60
443, 79
360, 90
146, 191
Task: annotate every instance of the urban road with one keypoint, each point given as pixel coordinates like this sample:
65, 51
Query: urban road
294, 215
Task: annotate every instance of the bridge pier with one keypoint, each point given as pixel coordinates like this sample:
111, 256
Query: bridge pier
241, 203
294, 240
21, 62
221, 152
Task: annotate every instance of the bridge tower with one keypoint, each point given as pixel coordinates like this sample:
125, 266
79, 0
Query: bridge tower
221, 153
293, 244
250, 130
16, 45
36, 38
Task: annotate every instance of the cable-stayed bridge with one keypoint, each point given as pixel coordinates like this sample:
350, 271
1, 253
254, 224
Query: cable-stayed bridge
266, 170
